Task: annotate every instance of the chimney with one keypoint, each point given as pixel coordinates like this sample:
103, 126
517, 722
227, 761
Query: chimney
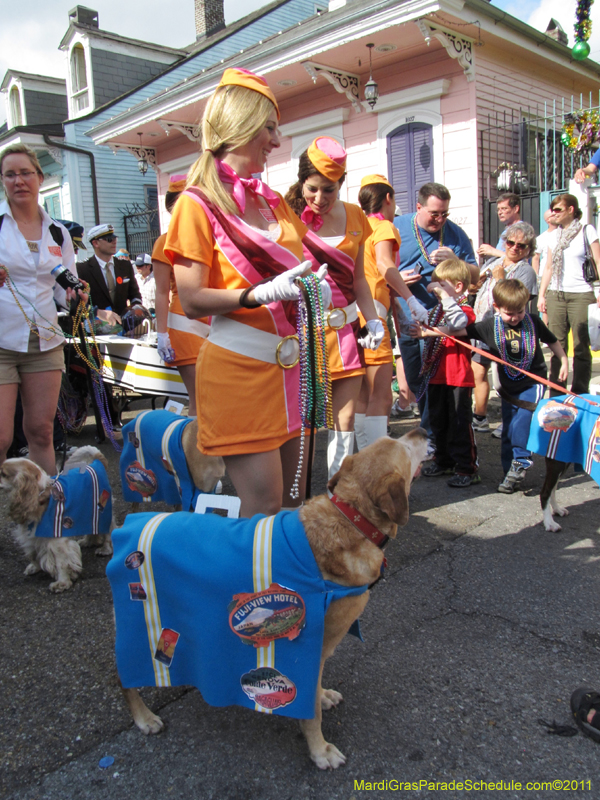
555, 31
209, 16
81, 15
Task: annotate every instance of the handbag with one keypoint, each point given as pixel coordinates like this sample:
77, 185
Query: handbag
590, 272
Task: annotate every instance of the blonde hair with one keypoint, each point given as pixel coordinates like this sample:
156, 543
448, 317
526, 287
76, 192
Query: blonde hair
453, 270
22, 149
233, 117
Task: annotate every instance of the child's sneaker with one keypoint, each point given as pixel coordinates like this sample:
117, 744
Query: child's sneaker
481, 425
434, 470
497, 434
462, 481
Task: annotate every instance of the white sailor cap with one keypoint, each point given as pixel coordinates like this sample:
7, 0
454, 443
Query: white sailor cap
100, 230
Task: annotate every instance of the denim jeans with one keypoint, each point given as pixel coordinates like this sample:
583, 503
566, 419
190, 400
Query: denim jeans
410, 350
516, 423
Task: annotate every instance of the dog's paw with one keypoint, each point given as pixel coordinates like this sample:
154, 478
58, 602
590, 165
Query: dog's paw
32, 568
105, 550
330, 698
60, 586
150, 723
329, 758
552, 526
562, 512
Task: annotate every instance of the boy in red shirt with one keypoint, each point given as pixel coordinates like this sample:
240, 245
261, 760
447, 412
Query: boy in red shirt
447, 377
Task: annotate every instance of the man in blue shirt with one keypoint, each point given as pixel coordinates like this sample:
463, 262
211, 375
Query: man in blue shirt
590, 170
428, 238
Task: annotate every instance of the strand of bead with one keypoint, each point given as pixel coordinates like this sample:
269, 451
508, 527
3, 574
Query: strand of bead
421, 243
32, 324
527, 346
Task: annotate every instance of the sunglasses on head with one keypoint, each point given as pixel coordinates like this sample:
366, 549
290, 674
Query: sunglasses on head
518, 245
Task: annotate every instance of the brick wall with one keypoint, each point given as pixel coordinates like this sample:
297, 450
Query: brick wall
209, 17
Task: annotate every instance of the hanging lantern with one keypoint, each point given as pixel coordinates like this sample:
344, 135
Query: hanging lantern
371, 88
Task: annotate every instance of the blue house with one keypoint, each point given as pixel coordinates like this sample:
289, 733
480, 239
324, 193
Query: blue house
108, 75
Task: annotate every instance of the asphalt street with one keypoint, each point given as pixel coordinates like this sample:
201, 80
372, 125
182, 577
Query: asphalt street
484, 625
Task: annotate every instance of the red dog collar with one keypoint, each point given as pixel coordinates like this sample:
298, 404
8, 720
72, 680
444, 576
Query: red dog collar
368, 530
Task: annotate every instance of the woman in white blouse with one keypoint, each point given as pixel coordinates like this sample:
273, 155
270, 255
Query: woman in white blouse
31, 342
564, 293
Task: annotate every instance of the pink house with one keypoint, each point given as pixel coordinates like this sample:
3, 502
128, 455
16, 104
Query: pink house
463, 87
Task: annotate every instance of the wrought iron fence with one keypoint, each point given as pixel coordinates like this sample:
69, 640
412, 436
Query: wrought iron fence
522, 151
141, 231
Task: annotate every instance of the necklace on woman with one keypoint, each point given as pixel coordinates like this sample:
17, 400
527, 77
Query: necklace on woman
527, 346
421, 243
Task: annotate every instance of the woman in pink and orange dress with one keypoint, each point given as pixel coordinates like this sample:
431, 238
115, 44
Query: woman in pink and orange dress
337, 232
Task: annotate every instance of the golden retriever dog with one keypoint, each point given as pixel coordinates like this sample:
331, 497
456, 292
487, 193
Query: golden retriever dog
161, 461
345, 533
30, 491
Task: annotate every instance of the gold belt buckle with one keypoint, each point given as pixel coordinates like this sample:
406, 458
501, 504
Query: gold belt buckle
294, 352
336, 311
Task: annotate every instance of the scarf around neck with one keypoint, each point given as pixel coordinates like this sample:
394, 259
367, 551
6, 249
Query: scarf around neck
564, 240
229, 175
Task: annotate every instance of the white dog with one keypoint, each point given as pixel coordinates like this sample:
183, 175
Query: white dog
49, 513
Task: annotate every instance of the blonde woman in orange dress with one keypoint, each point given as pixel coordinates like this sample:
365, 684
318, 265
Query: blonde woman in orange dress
337, 233
236, 247
376, 198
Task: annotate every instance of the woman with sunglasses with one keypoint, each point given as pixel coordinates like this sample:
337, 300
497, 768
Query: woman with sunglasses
31, 341
564, 293
520, 246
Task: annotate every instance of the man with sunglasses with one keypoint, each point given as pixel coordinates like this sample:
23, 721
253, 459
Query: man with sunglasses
113, 285
428, 238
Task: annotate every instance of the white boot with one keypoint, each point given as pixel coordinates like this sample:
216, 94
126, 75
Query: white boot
341, 444
375, 428
359, 431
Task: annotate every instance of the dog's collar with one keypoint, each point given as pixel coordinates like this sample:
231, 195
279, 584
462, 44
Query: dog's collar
368, 530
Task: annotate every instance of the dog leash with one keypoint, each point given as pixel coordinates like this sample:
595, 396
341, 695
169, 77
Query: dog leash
537, 378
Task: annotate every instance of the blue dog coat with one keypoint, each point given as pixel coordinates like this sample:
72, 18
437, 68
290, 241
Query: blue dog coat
153, 465
235, 607
567, 428
80, 503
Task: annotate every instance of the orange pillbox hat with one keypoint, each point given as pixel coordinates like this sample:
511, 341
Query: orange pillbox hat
375, 178
177, 183
243, 77
328, 156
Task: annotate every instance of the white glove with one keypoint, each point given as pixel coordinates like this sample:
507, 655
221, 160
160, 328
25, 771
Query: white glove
418, 310
165, 351
375, 334
280, 288
321, 274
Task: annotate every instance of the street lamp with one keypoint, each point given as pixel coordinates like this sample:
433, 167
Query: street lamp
142, 163
371, 88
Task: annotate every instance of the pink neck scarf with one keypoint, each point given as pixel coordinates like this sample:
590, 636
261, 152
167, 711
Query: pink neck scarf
309, 217
378, 215
229, 175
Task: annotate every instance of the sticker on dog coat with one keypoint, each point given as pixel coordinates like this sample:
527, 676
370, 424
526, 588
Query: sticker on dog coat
268, 688
167, 466
262, 617
134, 560
104, 498
137, 592
557, 417
165, 649
67, 523
141, 480
133, 439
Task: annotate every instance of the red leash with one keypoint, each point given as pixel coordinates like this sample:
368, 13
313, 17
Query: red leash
537, 378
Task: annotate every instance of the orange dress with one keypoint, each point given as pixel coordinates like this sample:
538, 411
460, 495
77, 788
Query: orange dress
187, 337
344, 353
382, 231
245, 405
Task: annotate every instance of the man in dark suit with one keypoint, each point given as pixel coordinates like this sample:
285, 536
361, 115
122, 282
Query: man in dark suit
112, 281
